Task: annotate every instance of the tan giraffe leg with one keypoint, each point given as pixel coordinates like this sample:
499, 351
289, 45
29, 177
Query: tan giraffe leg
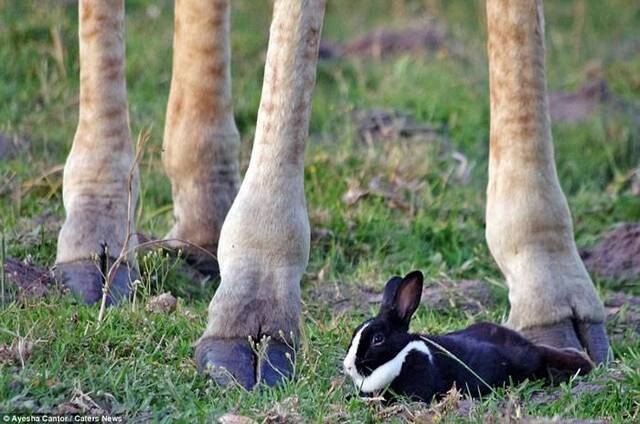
529, 228
201, 140
95, 188
264, 242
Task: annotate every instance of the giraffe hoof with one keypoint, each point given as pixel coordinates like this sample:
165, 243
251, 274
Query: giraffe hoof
85, 280
204, 264
227, 361
579, 335
277, 363
594, 338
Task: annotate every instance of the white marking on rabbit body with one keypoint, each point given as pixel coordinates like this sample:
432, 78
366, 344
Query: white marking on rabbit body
387, 372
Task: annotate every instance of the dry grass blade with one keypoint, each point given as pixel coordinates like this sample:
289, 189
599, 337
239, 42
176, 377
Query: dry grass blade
126, 250
20, 349
143, 137
45, 180
58, 50
458, 360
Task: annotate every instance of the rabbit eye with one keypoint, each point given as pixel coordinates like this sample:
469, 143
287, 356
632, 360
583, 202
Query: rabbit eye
378, 339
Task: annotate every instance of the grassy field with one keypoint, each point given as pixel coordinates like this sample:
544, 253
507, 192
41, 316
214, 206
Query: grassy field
423, 208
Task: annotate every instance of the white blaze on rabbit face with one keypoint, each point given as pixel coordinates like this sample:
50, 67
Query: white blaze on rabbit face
349, 362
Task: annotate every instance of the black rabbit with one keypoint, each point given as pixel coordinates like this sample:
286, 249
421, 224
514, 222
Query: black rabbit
384, 354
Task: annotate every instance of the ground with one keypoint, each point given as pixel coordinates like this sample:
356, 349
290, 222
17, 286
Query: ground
395, 180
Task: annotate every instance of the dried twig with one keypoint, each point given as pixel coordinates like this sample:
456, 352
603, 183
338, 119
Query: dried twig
126, 250
22, 346
143, 137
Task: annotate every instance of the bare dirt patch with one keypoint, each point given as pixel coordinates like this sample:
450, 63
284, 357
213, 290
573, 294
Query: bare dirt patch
577, 390
471, 296
407, 142
89, 404
380, 125
384, 42
623, 314
396, 191
11, 146
18, 352
341, 297
28, 281
579, 105
617, 255
45, 225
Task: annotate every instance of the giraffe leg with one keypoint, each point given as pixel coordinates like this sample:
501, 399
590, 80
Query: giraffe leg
97, 198
529, 229
200, 152
264, 242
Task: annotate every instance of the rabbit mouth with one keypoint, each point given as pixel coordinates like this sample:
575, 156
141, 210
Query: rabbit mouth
365, 368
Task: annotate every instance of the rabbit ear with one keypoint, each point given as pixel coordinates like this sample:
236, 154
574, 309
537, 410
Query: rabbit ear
408, 296
402, 297
390, 290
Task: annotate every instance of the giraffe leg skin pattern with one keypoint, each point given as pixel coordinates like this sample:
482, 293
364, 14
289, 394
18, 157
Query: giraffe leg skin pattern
201, 142
264, 241
100, 182
529, 229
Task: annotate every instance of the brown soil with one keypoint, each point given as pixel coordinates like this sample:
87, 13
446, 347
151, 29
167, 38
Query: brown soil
581, 104
623, 314
385, 125
29, 281
385, 42
471, 296
11, 146
617, 255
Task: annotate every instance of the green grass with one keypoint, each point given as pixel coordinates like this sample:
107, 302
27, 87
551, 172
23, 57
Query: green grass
141, 365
